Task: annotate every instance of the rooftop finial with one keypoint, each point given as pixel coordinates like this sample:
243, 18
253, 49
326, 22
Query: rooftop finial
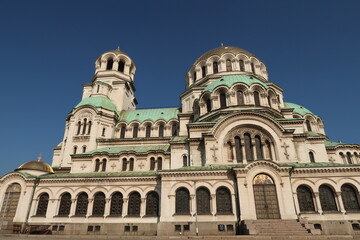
118, 48
39, 157
222, 44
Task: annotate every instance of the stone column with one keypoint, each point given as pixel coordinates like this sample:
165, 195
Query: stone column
192, 204
107, 207
73, 207
213, 204
124, 211
243, 152
90, 207
143, 207
340, 202
318, 203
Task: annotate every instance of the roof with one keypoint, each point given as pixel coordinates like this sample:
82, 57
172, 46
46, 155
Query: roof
98, 102
137, 149
99, 174
317, 164
221, 51
298, 109
36, 165
232, 79
153, 115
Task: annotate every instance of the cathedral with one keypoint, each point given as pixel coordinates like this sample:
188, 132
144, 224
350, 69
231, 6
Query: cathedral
233, 158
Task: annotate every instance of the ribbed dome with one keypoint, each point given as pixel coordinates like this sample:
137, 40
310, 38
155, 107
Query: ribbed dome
221, 51
36, 165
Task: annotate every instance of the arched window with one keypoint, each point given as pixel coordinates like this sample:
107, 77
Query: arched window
98, 88
350, 198
182, 201
238, 149
84, 149
103, 167
81, 204
242, 66
203, 71
84, 128
122, 132
240, 98
248, 147
259, 147
42, 205
121, 66
223, 201
305, 198
222, 100
152, 204
97, 165
174, 129
75, 150
116, 204
269, 100
194, 75
196, 109
152, 164
79, 128
203, 200
124, 164
311, 157
148, 131
159, 162
215, 67
99, 204
208, 105
252, 68
185, 161
268, 149
89, 128
65, 205
228, 65
348, 158
109, 64
103, 132
134, 204
257, 99
327, 198
308, 125
131, 167
161, 130
135, 131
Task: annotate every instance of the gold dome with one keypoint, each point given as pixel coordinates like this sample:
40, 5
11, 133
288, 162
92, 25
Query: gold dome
36, 165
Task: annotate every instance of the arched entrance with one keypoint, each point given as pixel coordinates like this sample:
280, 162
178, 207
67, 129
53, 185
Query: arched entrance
266, 202
9, 206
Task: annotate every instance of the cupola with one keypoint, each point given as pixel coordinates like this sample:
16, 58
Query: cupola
35, 167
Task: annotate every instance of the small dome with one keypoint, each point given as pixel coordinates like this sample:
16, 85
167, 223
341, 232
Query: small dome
221, 51
298, 109
98, 102
36, 165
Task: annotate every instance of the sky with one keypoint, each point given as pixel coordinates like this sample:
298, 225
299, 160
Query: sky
48, 49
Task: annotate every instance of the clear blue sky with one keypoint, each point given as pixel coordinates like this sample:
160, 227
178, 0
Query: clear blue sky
48, 49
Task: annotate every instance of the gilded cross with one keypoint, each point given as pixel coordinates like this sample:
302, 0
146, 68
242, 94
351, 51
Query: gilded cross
39, 157
141, 165
285, 146
83, 166
214, 148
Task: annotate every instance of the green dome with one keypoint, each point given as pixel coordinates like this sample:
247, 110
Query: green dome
298, 109
230, 80
98, 102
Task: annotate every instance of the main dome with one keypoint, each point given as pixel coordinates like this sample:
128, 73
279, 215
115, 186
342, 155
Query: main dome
222, 50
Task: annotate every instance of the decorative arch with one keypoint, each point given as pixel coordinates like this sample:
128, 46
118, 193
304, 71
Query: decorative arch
116, 205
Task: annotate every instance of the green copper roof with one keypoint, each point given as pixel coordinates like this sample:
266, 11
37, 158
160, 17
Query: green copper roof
153, 115
137, 149
298, 109
98, 102
99, 175
232, 79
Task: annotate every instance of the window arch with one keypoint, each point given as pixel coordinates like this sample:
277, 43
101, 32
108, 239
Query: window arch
152, 163
215, 67
84, 149
327, 198
185, 161
81, 204
116, 204
311, 157
222, 97
203, 71
159, 163
152, 204
42, 205
305, 199
174, 129
203, 200
228, 65
161, 130
135, 131
109, 64
259, 147
134, 204
124, 164
131, 165
182, 201
308, 125
252, 68
84, 126
248, 147
148, 131
65, 205
208, 105
194, 75
348, 158
75, 150
99, 204
79, 127
350, 198
242, 65
89, 127
103, 132
223, 201
121, 66
256, 99
122, 132
240, 97
238, 149
103, 167
97, 165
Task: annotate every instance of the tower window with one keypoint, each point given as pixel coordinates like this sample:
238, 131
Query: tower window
208, 105
84, 149
185, 161
103, 132
131, 167
159, 162
121, 66
122, 132
161, 130
152, 164
258, 147
238, 149
84, 128
348, 158
257, 99
252, 68
174, 129
135, 131
248, 147
97, 165
240, 98
148, 131
103, 167
215, 67
228, 65
89, 128
311, 156
75, 149
242, 66
203, 70
194, 76
79, 128
222, 100
109, 64
124, 164
308, 125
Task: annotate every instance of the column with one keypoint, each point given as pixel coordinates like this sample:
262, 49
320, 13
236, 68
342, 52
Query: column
233, 203
253, 146
243, 152
107, 207
90, 207
73, 207
213, 204
192, 204
340, 203
143, 207
124, 211
318, 203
